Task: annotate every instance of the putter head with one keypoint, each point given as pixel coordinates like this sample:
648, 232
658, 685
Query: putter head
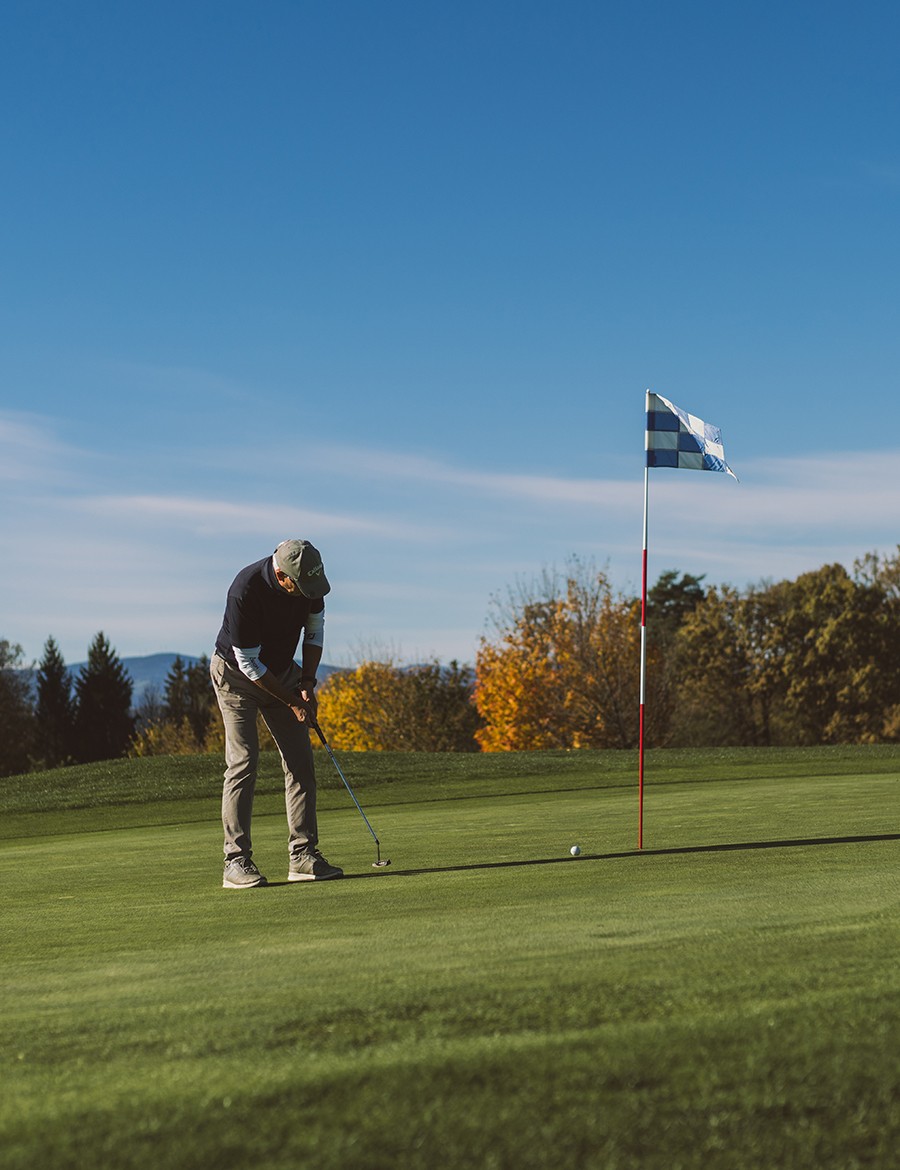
381, 863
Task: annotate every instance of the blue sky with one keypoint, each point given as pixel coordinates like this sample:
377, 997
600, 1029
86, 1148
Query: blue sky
394, 277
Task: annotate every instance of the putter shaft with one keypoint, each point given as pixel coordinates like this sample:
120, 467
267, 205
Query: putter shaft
327, 746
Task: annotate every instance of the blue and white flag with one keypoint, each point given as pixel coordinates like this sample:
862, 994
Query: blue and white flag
678, 439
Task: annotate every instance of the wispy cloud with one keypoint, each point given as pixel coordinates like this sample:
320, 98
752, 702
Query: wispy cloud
31, 451
228, 518
824, 492
846, 492
359, 463
415, 546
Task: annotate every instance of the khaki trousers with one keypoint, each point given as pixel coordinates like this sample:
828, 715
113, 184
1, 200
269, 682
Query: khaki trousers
240, 700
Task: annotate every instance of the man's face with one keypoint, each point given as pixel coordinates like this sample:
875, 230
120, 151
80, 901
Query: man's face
286, 583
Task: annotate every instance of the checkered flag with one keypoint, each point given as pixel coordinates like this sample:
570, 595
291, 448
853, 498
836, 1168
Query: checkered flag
674, 439
678, 439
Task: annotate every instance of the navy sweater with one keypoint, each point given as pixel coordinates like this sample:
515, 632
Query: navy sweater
258, 612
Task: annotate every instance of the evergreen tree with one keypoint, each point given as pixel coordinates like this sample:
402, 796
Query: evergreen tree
670, 601
201, 698
175, 694
104, 724
55, 712
16, 715
189, 696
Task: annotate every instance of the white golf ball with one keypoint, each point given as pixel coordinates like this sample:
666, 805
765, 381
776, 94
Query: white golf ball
575, 850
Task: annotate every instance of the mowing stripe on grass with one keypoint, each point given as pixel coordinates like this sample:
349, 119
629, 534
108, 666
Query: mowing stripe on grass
728, 997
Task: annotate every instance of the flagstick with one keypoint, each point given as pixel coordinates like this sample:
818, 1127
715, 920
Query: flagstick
643, 667
689, 436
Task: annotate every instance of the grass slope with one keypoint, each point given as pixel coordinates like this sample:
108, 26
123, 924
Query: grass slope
729, 998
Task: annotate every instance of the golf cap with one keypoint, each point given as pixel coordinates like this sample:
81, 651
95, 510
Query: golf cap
303, 564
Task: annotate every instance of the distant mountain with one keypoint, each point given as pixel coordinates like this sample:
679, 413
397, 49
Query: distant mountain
150, 671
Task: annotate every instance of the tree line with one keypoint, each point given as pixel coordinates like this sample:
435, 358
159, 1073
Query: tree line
815, 660
50, 718
60, 720
57, 720
810, 661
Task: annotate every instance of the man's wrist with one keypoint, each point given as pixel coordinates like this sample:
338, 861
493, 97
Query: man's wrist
307, 684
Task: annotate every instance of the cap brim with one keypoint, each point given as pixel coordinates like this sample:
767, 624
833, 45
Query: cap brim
314, 587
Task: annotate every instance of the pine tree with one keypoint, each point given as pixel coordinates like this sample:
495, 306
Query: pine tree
104, 724
189, 696
16, 715
175, 693
201, 698
55, 711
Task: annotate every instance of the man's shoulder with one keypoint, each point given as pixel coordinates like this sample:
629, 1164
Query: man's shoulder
250, 577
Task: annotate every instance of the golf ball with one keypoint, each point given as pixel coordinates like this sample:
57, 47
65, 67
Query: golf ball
575, 850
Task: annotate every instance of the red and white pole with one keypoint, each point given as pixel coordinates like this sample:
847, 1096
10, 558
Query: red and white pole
643, 647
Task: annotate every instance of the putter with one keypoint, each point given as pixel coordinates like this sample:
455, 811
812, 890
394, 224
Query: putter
380, 861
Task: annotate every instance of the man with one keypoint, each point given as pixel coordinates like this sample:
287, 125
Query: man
269, 605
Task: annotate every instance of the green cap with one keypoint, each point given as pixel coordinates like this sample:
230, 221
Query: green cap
303, 564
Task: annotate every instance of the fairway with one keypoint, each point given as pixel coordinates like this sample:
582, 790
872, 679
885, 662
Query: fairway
729, 997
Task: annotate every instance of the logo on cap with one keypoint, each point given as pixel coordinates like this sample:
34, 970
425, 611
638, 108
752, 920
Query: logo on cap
300, 561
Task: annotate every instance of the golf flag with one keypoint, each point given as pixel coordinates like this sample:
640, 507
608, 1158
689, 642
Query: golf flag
674, 438
678, 439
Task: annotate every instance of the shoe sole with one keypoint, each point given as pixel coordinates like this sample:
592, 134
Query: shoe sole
227, 885
313, 877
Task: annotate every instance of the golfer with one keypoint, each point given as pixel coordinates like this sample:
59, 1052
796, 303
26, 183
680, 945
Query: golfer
269, 606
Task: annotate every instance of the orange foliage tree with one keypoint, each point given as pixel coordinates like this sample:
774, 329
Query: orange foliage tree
383, 707
562, 669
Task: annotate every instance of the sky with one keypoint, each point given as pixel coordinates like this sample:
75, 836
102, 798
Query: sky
394, 278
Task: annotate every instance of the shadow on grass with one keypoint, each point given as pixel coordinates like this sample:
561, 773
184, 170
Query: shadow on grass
730, 847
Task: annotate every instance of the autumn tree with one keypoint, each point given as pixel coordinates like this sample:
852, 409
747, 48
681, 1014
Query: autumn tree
670, 602
882, 574
841, 657
380, 706
815, 660
54, 709
519, 692
104, 724
717, 698
562, 667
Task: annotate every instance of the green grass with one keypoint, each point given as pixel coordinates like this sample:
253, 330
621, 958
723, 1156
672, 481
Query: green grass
728, 998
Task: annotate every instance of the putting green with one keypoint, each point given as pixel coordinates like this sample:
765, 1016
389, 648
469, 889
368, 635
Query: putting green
729, 998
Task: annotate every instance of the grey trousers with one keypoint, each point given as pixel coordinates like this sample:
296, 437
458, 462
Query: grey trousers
239, 701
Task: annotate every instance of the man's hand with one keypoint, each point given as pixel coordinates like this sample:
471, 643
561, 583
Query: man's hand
307, 708
301, 700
